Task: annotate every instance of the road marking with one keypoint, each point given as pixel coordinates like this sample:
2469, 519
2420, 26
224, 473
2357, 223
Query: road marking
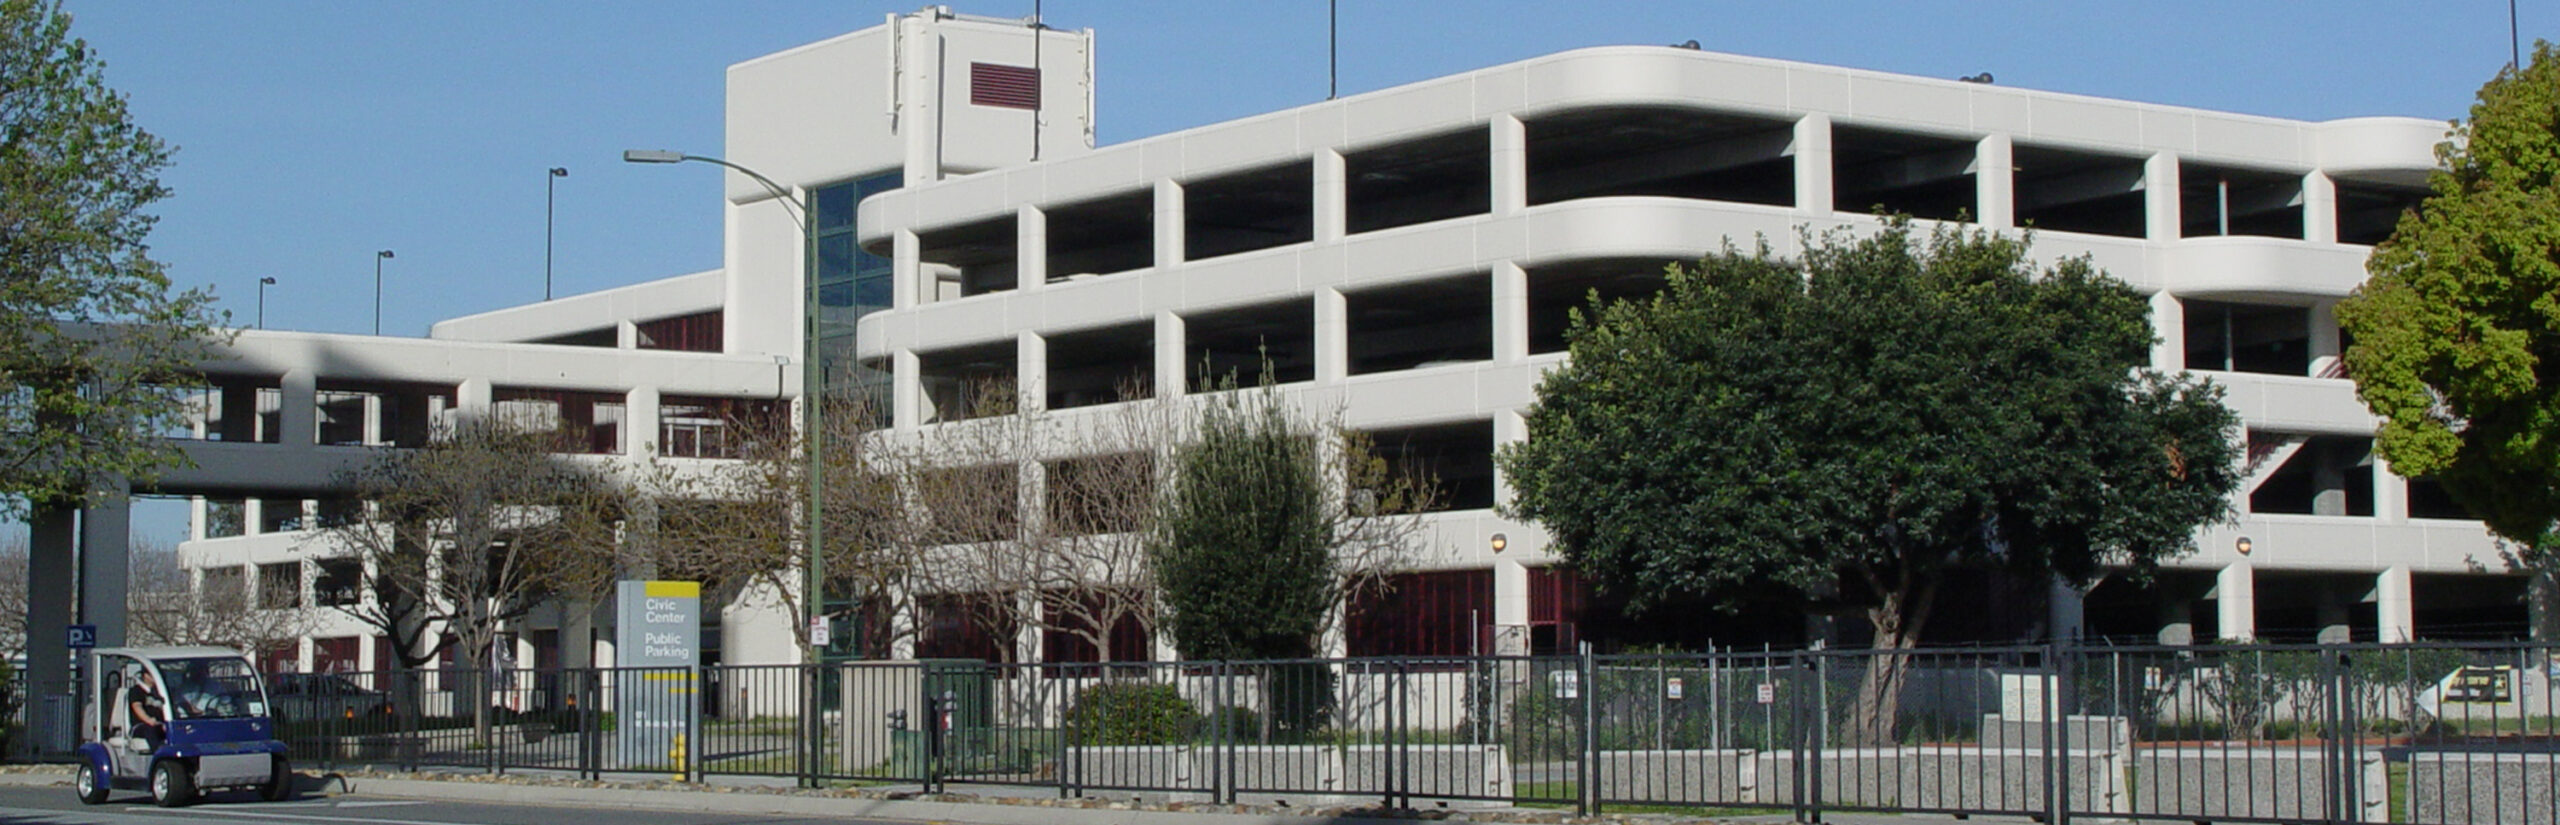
264, 815
379, 804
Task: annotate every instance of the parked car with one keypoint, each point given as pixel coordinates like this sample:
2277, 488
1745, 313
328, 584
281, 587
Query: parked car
313, 696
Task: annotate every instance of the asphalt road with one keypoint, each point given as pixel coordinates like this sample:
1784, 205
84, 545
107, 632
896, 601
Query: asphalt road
56, 806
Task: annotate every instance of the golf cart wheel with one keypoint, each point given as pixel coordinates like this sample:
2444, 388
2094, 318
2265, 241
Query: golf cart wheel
279, 785
85, 780
172, 784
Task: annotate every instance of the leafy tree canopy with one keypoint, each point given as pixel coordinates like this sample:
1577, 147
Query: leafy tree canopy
2457, 332
1882, 411
90, 334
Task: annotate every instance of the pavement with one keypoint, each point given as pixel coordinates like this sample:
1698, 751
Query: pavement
894, 805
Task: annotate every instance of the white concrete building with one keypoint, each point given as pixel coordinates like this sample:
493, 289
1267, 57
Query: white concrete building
1407, 256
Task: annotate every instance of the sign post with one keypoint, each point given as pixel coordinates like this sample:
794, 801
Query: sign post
657, 646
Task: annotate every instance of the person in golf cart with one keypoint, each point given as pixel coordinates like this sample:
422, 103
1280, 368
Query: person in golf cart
176, 721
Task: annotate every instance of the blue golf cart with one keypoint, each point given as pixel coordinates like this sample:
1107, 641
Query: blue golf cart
219, 732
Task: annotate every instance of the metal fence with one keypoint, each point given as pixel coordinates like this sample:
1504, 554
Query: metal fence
2438, 734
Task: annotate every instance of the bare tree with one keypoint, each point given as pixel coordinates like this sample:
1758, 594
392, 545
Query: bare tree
166, 605
737, 528
13, 595
469, 532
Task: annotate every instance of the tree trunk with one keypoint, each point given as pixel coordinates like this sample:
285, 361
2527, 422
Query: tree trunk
1897, 621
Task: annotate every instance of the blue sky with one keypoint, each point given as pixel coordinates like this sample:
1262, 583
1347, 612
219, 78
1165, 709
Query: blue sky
312, 133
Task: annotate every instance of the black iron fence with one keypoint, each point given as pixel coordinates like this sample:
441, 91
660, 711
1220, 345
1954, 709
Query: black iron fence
2438, 734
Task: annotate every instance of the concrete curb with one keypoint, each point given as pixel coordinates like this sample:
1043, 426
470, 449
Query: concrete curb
752, 803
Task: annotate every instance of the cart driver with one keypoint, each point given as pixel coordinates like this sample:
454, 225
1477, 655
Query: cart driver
150, 713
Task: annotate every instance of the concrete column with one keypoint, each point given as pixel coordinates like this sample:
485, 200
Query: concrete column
1812, 150
1332, 206
626, 335
2235, 592
1172, 369
906, 391
2542, 600
1510, 166
106, 549
1169, 224
2335, 627
2326, 346
2177, 616
1508, 428
2390, 492
2328, 481
906, 269
1030, 247
2066, 610
2169, 321
641, 417
1333, 336
1510, 606
474, 397
2394, 606
300, 416
2160, 197
2319, 208
1510, 313
50, 583
1994, 183
1031, 372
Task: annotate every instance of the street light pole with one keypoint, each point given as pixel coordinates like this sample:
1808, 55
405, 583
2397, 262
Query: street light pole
813, 587
549, 182
263, 283
378, 258
812, 384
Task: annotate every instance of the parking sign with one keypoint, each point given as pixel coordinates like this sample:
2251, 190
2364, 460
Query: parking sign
80, 636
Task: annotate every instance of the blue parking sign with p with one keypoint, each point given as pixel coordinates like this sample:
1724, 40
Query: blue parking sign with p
81, 636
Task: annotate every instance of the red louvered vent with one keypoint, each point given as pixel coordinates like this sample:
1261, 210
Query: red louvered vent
1011, 87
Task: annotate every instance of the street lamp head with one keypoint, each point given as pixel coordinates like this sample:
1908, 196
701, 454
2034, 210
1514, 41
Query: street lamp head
384, 254
652, 156
268, 281
559, 171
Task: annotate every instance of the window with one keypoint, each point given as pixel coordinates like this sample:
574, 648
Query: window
341, 583
225, 517
279, 515
581, 422
712, 427
280, 585
851, 280
224, 588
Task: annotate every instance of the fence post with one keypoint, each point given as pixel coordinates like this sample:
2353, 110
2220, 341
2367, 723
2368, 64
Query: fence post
2062, 657
1227, 730
1588, 769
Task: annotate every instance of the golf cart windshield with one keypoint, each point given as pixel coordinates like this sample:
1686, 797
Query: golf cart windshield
214, 687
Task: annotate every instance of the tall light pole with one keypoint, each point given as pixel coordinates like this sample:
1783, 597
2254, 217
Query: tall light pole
813, 586
378, 258
812, 381
263, 283
549, 182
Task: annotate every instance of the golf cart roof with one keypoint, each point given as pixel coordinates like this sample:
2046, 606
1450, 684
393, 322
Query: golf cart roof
176, 652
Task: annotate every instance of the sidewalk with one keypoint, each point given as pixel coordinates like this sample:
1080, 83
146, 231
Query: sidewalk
904, 804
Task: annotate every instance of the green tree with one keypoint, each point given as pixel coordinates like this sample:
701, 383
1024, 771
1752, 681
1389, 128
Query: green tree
91, 337
2457, 332
1260, 535
1863, 422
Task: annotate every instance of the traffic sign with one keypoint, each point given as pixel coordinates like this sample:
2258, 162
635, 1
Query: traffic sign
80, 636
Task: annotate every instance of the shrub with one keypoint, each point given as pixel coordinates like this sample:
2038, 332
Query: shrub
1228, 724
1131, 713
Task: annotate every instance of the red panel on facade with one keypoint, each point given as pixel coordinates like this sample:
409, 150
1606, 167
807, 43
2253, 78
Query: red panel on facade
1424, 614
337, 654
685, 333
1010, 87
